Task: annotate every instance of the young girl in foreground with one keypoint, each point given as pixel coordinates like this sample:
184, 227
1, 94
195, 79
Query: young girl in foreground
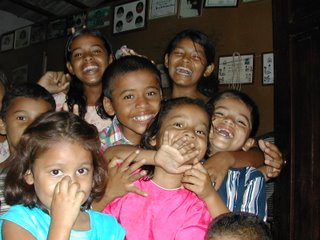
171, 211
55, 175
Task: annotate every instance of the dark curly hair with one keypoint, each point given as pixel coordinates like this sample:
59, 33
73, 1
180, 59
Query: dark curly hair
48, 129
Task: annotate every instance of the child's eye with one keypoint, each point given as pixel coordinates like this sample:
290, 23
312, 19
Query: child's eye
152, 93
178, 52
127, 97
200, 132
97, 51
56, 172
196, 56
21, 118
77, 55
179, 125
218, 114
242, 123
82, 171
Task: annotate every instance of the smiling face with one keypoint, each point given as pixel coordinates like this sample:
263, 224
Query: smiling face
89, 58
187, 63
21, 113
187, 120
136, 100
231, 125
64, 158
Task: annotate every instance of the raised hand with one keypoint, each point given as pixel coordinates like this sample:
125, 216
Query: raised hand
55, 81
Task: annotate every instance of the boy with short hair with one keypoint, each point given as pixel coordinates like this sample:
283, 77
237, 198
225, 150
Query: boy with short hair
22, 104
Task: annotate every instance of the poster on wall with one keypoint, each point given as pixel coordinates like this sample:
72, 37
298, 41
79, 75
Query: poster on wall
38, 33
129, 16
20, 74
99, 18
22, 37
162, 8
76, 22
57, 28
189, 8
7, 41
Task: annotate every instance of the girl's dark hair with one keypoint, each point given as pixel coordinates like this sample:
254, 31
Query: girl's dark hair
75, 94
230, 93
47, 130
154, 128
27, 90
207, 85
119, 67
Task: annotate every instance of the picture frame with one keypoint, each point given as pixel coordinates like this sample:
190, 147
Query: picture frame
20, 74
57, 28
220, 3
267, 68
22, 37
38, 33
98, 18
7, 41
129, 16
76, 22
236, 69
162, 8
190, 8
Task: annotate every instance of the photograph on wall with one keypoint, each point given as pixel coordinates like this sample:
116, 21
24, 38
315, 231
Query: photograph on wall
22, 37
20, 74
236, 69
99, 18
220, 3
7, 41
129, 16
76, 22
38, 33
190, 8
162, 8
57, 28
267, 68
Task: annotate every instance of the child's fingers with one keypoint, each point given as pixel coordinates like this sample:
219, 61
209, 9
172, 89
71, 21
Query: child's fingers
165, 139
131, 158
135, 166
139, 191
75, 109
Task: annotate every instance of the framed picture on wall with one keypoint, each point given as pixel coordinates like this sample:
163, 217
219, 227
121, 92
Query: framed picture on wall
236, 69
267, 68
189, 8
7, 41
221, 3
162, 8
22, 37
38, 33
100, 17
57, 28
129, 16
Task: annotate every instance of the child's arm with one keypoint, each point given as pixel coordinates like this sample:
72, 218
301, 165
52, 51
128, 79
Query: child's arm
198, 181
121, 177
65, 209
13, 231
218, 164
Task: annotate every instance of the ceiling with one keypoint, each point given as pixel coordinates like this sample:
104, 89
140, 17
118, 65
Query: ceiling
19, 13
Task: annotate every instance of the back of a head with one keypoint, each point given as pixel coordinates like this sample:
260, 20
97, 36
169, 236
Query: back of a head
27, 90
238, 226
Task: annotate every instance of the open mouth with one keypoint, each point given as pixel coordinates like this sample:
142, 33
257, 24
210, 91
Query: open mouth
143, 118
90, 69
224, 132
184, 71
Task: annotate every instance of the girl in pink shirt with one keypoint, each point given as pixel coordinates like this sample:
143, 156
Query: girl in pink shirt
171, 210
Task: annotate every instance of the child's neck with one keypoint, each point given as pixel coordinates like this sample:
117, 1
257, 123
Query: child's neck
92, 94
165, 179
192, 92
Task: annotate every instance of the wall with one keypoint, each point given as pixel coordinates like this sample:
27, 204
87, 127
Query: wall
245, 29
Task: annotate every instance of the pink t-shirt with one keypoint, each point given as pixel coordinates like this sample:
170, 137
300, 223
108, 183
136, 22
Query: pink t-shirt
165, 214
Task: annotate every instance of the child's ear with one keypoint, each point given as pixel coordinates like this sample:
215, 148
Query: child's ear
3, 130
166, 60
248, 144
107, 105
209, 70
28, 177
70, 68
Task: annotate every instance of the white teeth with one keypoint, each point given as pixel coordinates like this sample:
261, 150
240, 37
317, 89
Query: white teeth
143, 118
184, 71
224, 132
90, 68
